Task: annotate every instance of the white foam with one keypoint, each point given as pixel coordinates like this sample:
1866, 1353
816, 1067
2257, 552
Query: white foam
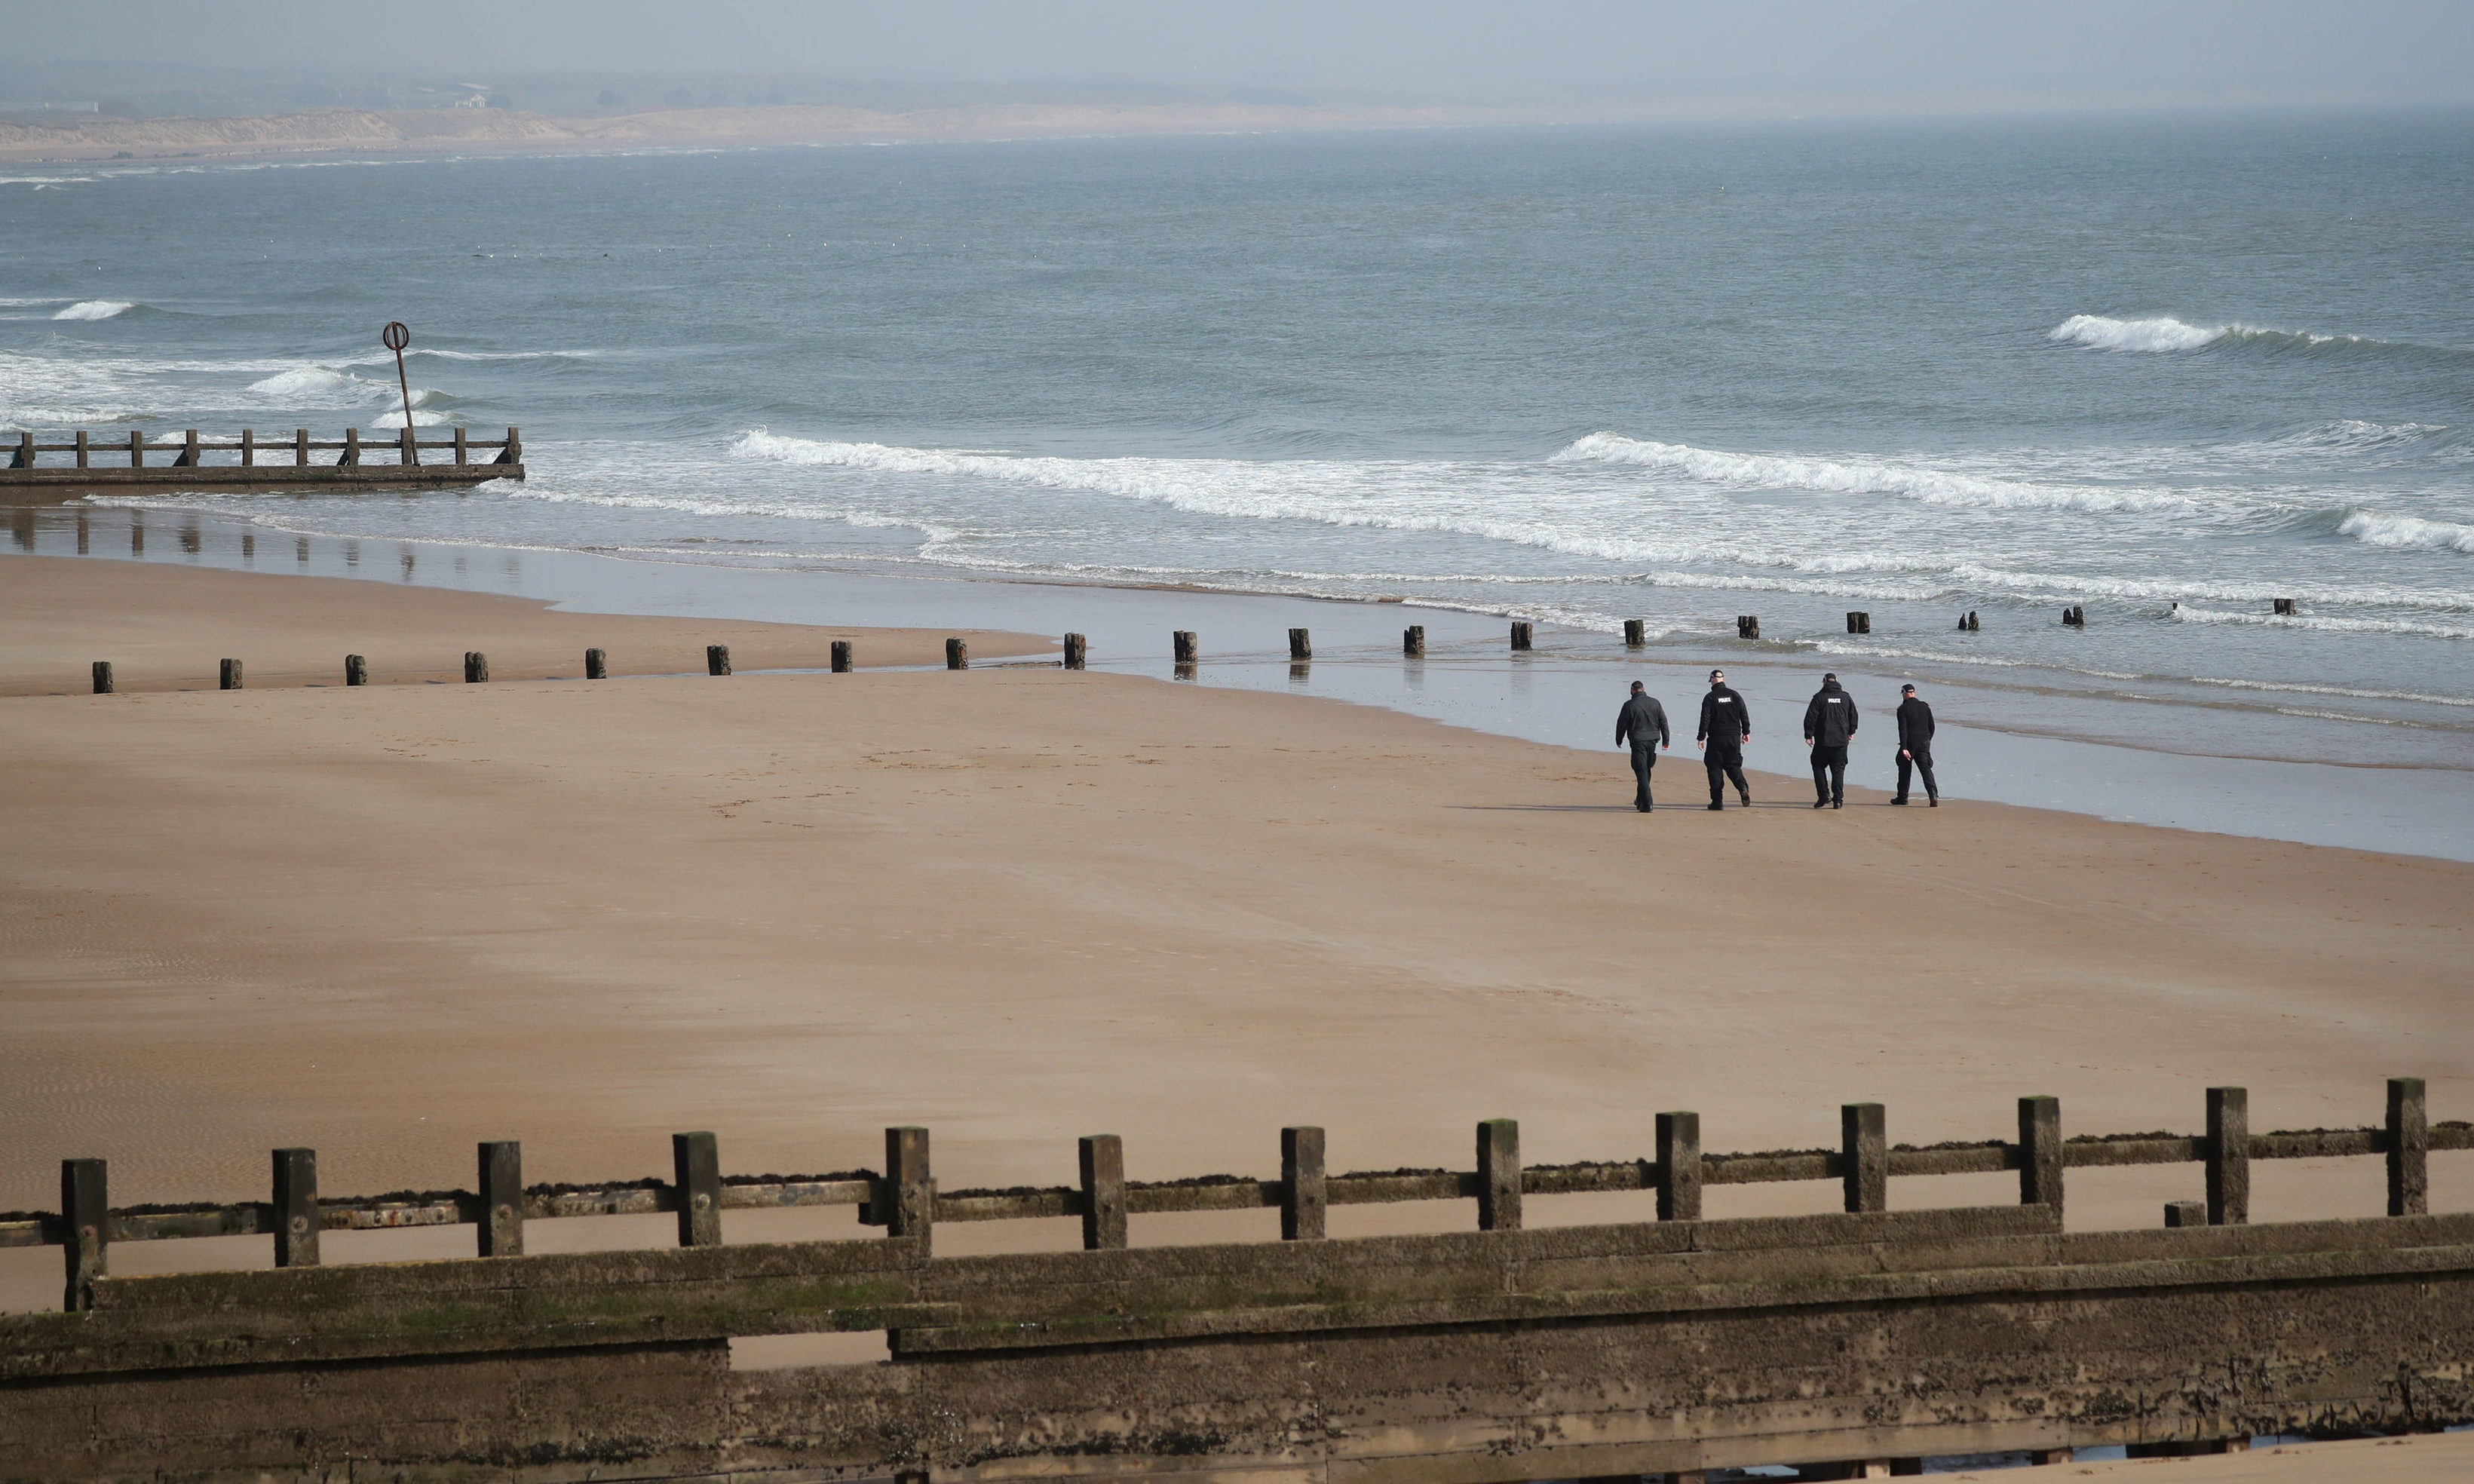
2161, 334
2351, 691
2322, 622
2374, 529
96, 309
1857, 476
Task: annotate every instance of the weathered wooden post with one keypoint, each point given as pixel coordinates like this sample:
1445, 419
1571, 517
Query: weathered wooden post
2075, 616
352, 455
301, 447
1520, 638
249, 447
1859, 622
462, 447
405, 453
1181, 645
2179, 1214
356, 669
909, 1207
1076, 650
83, 450
296, 1208
957, 653
841, 662
2409, 1148
83, 534
1413, 641
85, 1230
515, 454
1498, 1175
1300, 645
1302, 1198
1748, 625
500, 1221
1678, 1167
2228, 1154
136, 449
716, 659
2281, 607
1102, 1160
2040, 1151
597, 664
1636, 634
136, 535
102, 681
232, 674
696, 1161
1864, 1155
476, 668
189, 458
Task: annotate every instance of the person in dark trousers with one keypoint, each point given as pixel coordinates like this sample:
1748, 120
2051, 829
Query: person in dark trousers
1724, 727
1915, 745
1828, 721
1642, 722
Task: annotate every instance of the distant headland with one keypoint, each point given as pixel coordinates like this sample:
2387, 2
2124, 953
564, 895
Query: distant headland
78, 137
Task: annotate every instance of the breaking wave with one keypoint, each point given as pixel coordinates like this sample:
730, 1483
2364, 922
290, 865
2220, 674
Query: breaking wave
2374, 529
1857, 476
96, 309
2150, 335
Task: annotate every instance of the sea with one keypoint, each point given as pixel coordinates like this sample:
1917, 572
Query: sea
2167, 369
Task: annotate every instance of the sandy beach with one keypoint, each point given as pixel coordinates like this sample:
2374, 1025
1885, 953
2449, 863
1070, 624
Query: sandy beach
1020, 904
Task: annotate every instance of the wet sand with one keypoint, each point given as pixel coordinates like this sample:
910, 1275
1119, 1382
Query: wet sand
1019, 905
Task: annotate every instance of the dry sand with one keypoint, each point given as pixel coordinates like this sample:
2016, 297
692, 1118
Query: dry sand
1020, 904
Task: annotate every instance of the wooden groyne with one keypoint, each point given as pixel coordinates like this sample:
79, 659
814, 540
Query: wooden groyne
119, 461
1846, 1345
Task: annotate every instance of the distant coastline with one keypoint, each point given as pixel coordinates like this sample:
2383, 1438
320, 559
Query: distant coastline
84, 138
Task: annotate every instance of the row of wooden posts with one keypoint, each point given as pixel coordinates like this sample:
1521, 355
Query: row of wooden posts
1184, 649
904, 1198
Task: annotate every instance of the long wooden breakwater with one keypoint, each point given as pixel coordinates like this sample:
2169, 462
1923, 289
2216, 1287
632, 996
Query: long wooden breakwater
903, 1197
1844, 1345
119, 461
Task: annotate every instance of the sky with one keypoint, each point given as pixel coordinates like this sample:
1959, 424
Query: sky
1926, 51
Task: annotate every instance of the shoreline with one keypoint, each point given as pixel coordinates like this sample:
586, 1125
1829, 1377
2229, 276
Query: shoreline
1551, 694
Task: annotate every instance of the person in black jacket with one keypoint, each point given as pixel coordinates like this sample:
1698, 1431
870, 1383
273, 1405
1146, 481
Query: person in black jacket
1915, 745
1642, 722
1724, 727
1828, 721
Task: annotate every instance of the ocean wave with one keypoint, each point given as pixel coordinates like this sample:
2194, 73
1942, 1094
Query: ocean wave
322, 387
96, 309
2373, 528
2327, 623
1857, 477
2161, 334
2350, 693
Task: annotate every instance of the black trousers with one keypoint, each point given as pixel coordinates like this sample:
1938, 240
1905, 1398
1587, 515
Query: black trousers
1830, 774
1920, 762
1722, 772
1643, 759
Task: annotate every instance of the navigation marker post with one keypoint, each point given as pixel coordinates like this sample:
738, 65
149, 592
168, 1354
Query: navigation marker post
396, 337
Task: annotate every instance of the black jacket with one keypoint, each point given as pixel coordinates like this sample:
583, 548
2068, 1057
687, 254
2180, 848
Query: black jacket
1915, 726
1830, 717
1643, 721
1724, 723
